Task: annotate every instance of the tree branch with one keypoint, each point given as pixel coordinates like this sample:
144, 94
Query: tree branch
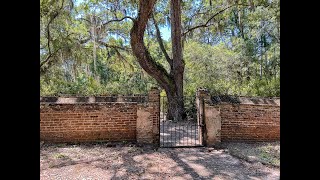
139, 49
160, 41
46, 60
49, 56
208, 21
52, 54
48, 30
117, 20
274, 36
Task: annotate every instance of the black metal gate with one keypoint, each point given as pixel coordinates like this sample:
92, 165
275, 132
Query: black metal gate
185, 133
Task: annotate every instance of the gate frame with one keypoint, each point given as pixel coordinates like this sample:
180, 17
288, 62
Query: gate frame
200, 95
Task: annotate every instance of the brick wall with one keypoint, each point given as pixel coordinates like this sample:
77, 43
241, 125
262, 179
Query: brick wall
123, 118
251, 119
88, 119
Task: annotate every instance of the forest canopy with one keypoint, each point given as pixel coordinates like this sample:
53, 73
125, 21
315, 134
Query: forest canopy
228, 46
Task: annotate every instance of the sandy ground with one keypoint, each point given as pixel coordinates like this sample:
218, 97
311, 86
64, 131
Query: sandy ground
267, 153
128, 161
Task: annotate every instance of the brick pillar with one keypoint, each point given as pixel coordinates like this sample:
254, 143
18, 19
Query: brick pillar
212, 120
154, 103
201, 94
209, 116
120, 98
148, 119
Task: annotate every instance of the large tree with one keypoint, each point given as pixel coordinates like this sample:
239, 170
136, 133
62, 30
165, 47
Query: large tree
171, 82
94, 36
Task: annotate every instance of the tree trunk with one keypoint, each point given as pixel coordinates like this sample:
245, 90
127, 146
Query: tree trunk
261, 53
93, 27
178, 112
260, 67
171, 82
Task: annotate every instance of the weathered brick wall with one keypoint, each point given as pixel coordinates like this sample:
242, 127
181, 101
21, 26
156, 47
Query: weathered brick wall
253, 119
88, 122
89, 119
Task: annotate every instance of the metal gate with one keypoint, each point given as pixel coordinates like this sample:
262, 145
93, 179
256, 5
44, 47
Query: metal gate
185, 133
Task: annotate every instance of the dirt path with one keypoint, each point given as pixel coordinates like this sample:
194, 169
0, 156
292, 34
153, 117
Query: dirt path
124, 162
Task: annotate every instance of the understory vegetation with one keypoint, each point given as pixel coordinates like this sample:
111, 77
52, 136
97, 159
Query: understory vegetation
85, 47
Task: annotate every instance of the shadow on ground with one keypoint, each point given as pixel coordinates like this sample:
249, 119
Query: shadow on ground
98, 161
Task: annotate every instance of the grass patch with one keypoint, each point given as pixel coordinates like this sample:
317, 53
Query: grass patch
60, 156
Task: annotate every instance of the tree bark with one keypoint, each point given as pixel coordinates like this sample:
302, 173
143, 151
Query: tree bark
154, 69
171, 82
177, 63
93, 27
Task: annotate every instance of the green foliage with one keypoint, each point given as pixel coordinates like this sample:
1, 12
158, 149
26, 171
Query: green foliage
220, 70
238, 53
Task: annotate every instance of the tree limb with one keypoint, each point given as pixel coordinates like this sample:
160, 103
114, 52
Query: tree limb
274, 36
160, 41
46, 60
208, 21
49, 56
117, 20
48, 30
139, 49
